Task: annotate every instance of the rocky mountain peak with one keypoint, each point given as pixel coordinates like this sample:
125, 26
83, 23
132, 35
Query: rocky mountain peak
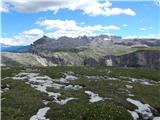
43, 40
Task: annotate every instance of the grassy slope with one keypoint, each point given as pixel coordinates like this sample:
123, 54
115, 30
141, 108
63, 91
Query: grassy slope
22, 101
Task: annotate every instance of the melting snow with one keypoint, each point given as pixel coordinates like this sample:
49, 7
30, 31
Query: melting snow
93, 97
145, 83
131, 95
134, 114
129, 86
4, 88
101, 78
75, 87
40, 114
41, 83
45, 102
141, 81
70, 77
143, 109
62, 102
156, 118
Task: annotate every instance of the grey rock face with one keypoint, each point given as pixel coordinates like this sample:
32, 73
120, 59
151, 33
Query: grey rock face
141, 58
90, 62
140, 42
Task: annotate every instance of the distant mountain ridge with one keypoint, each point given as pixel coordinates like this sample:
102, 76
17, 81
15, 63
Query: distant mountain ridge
102, 50
80, 43
9, 48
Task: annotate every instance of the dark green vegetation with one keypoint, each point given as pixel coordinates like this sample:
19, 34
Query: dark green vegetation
55, 72
21, 101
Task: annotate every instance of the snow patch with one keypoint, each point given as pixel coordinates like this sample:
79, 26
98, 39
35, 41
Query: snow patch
145, 83
141, 81
45, 102
71, 77
129, 86
101, 78
156, 118
41, 83
62, 102
73, 87
93, 97
134, 114
143, 109
131, 95
40, 114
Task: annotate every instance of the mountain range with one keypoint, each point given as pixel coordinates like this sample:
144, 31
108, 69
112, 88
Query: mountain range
83, 50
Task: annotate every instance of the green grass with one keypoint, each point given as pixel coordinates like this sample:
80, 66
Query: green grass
56, 72
96, 111
21, 101
148, 94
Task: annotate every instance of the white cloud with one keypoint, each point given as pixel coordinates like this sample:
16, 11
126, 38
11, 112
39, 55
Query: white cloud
35, 5
3, 7
157, 2
143, 29
58, 24
71, 29
89, 7
24, 38
32, 32
125, 25
55, 29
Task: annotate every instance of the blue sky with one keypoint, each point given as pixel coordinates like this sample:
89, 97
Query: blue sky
24, 22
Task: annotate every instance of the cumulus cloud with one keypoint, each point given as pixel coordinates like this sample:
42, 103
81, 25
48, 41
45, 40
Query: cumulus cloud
71, 29
157, 2
3, 7
34, 5
89, 7
24, 38
56, 29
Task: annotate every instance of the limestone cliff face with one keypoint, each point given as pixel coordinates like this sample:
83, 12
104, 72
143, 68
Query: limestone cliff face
96, 51
141, 58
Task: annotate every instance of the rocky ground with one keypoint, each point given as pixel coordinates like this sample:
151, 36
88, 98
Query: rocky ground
78, 93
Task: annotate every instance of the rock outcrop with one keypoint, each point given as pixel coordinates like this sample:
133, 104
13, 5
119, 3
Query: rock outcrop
142, 58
